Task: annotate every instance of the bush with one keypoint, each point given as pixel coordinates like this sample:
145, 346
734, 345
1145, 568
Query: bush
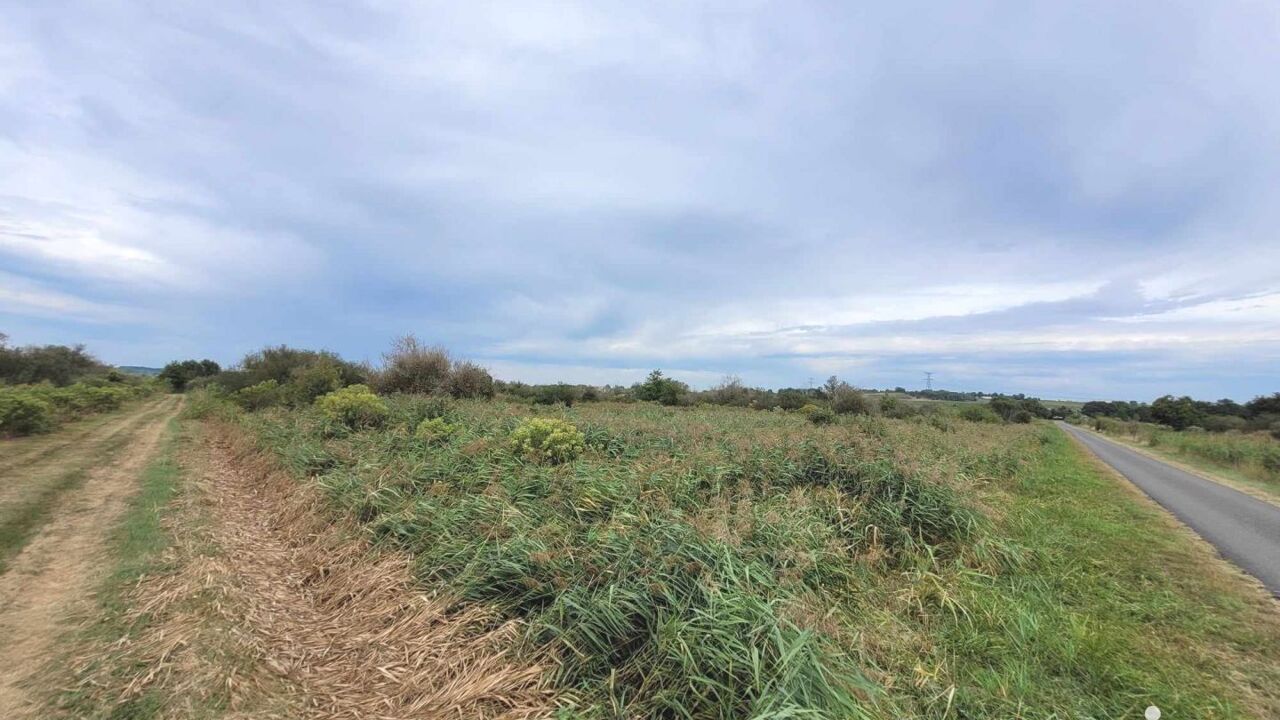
354, 406
820, 415
977, 413
1275, 430
308, 382
21, 413
265, 394
547, 440
848, 401
558, 394
1224, 423
1021, 416
180, 374
435, 430
57, 364
411, 367
661, 389
468, 380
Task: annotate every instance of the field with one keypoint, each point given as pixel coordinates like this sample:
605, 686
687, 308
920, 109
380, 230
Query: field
604, 560
716, 562
1251, 459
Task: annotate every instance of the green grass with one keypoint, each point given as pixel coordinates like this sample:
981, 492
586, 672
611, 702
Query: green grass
720, 563
1249, 458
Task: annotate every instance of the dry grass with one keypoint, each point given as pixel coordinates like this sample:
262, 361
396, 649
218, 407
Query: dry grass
277, 611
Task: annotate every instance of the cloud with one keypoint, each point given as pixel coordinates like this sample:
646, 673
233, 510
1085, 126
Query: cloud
1007, 193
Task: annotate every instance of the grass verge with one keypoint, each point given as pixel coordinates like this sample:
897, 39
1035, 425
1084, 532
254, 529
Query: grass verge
137, 546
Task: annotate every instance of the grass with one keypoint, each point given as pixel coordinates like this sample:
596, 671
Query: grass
1252, 459
22, 516
720, 563
136, 549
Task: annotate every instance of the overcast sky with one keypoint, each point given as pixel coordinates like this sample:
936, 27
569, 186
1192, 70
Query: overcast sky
1074, 199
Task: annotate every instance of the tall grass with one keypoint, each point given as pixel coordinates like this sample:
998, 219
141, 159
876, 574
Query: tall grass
1254, 455
716, 562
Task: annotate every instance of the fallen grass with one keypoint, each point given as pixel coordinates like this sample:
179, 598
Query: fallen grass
722, 563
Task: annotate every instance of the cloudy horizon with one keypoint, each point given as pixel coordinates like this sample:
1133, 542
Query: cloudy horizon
1071, 202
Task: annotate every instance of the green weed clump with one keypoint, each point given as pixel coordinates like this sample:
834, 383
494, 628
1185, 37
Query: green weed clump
547, 440
355, 406
435, 430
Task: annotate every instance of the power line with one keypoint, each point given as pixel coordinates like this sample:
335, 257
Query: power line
928, 381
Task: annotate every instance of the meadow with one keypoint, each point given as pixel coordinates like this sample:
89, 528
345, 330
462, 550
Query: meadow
723, 562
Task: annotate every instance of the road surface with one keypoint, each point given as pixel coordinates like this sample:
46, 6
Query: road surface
1244, 529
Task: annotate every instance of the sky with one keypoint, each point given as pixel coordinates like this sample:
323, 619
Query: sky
1072, 200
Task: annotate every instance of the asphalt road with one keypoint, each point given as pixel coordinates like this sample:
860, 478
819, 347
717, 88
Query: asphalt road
1244, 529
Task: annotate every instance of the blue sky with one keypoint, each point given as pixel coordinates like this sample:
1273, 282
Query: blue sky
1071, 200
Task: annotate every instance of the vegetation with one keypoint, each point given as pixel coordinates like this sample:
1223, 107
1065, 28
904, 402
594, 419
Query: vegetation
719, 562
1253, 456
354, 406
29, 409
1182, 413
56, 365
179, 373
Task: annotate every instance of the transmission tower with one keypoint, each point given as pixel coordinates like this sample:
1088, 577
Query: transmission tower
928, 381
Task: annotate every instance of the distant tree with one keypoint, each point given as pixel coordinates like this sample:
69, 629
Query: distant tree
730, 391
661, 389
56, 364
1177, 413
180, 372
1263, 405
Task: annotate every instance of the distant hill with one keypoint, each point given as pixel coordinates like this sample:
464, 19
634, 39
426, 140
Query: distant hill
138, 370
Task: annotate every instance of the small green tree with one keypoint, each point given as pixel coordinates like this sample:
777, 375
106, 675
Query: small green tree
659, 388
1178, 413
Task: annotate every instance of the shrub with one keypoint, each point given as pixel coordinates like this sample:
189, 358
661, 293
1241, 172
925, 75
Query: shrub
411, 367
354, 406
977, 413
1275, 430
659, 388
21, 413
57, 364
1224, 423
265, 394
435, 430
820, 415
547, 440
1021, 416
180, 374
848, 401
308, 382
558, 394
468, 380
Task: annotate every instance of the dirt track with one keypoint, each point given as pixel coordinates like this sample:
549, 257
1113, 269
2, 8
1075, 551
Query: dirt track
54, 574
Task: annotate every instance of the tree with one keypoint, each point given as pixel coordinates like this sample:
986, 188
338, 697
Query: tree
662, 389
179, 373
1177, 413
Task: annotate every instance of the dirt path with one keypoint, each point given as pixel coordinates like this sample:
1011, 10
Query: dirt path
57, 570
